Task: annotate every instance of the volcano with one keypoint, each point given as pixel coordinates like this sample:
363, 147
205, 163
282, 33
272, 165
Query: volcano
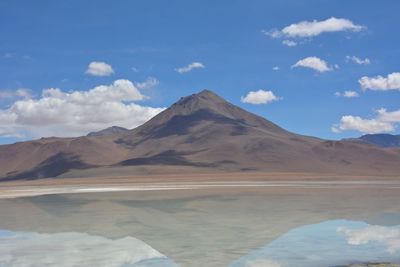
199, 132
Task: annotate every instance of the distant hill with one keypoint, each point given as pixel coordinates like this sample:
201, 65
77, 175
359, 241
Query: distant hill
382, 140
199, 132
108, 131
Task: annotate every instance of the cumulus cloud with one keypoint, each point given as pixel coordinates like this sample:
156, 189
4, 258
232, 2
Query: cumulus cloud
384, 121
24, 93
356, 123
358, 60
390, 236
259, 97
190, 67
97, 68
276, 68
313, 28
7, 127
380, 83
29, 249
289, 43
59, 113
10, 132
389, 116
347, 94
314, 63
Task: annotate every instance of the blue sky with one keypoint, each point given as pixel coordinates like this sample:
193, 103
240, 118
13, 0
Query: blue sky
50, 44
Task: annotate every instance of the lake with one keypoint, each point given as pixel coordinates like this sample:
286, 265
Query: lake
276, 226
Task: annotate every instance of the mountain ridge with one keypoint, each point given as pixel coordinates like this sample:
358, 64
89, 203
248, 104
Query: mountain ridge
108, 131
198, 132
380, 140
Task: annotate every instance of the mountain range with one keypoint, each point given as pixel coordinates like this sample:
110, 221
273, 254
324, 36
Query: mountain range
199, 132
381, 140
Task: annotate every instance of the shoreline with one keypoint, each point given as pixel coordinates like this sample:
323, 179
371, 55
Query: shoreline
53, 186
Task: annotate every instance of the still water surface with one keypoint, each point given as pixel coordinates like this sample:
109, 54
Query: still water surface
269, 227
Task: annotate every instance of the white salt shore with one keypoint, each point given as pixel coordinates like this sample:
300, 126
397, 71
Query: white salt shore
26, 191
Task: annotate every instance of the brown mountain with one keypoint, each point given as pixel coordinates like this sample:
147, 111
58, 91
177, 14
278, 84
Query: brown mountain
109, 131
381, 140
199, 132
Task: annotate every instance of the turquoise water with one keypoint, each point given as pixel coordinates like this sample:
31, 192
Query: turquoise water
270, 227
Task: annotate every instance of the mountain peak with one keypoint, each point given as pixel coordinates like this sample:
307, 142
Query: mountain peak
206, 93
206, 98
204, 108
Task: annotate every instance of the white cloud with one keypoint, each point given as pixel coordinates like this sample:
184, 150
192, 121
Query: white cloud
11, 132
347, 94
390, 236
272, 33
7, 127
15, 55
358, 60
314, 63
289, 43
356, 123
380, 83
97, 68
276, 68
389, 116
385, 121
30, 249
191, 66
259, 97
350, 94
24, 93
148, 83
313, 28
59, 113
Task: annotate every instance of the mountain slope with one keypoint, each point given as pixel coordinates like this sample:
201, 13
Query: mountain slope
201, 131
205, 130
382, 140
48, 156
108, 131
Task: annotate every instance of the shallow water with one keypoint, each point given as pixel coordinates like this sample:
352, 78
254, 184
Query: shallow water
211, 227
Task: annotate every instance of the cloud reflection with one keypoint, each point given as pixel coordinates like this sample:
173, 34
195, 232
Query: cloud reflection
29, 249
330, 243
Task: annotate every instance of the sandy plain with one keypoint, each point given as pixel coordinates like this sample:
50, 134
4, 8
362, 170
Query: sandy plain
205, 180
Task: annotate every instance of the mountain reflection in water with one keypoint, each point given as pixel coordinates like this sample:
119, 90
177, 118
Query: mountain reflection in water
330, 243
217, 227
